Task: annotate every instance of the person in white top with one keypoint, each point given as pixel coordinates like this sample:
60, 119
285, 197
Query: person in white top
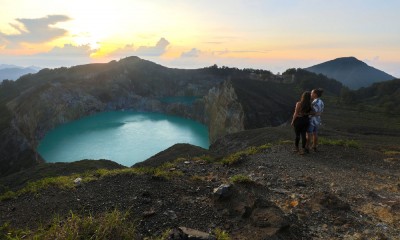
317, 106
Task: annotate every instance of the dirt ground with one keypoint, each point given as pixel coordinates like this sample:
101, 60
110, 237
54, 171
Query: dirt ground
336, 193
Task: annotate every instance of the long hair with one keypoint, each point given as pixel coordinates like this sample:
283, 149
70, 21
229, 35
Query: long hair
305, 102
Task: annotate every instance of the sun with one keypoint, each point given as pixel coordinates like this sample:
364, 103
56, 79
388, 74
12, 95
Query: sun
104, 26
93, 23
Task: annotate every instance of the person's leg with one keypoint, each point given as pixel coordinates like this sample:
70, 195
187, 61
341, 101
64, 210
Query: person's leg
302, 128
310, 129
297, 139
315, 140
304, 139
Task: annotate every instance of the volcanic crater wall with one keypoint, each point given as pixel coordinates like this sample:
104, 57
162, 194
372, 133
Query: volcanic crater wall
63, 95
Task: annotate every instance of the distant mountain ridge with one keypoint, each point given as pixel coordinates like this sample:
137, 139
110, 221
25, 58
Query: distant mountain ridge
13, 72
350, 71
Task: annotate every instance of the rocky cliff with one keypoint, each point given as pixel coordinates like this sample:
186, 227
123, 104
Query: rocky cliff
225, 113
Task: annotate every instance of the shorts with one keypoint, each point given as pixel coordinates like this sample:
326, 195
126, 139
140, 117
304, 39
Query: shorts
312, 129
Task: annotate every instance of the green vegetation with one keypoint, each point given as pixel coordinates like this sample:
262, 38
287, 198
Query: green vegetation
339, 142
221, 235
391, 153
7, 232
381, 97
239, 73
307, 81
240, 178
196, 178
165, 171
112, 225
238, 156
368, 127
206, 158
284, 142
62, 182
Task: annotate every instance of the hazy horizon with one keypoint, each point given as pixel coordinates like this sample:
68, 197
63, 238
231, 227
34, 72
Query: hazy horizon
272, 35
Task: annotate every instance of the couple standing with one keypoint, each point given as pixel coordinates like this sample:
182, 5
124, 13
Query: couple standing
307, 119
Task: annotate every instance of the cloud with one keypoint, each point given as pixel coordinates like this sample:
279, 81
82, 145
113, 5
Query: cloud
159, 49
68, 55
142, 51
126, 51
68, 51
373, 59
191, 54
217, 43
37, 30
226, 51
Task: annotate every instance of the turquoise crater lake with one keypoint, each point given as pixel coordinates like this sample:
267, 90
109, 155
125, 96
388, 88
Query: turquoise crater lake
125, 137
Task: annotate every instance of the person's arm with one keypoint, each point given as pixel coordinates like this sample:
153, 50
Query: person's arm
296, 112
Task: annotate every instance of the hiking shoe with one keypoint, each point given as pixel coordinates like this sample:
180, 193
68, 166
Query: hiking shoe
306, 150
296, 150
315, 149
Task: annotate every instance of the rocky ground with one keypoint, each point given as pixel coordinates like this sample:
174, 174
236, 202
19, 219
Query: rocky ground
336, 193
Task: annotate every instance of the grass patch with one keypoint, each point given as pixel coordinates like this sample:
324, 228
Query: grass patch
62, 182
284, 142
167, 170
7, 232
240, 178
112, 225
205, 158
221, 234
238, 156
339, 142
67, 182
100, 173
196, 178
391, 153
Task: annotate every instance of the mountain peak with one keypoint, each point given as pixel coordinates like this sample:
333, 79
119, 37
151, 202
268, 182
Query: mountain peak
347, 61
351, 72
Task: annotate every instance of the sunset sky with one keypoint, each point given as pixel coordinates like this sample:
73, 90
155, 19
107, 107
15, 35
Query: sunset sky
267, 34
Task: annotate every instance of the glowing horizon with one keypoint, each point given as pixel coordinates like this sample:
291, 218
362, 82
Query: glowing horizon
271, 34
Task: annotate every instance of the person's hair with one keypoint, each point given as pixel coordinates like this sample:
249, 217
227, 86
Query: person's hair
318, 91
305, 102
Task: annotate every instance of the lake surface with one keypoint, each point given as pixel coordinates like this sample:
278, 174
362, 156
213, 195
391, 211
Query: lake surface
124, 137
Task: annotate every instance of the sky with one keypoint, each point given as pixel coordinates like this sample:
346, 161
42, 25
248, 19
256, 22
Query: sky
264, 34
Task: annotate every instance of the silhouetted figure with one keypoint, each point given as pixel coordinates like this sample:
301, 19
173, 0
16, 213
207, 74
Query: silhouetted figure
301, 121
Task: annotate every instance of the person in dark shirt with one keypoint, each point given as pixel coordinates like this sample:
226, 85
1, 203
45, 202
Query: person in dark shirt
301, 121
